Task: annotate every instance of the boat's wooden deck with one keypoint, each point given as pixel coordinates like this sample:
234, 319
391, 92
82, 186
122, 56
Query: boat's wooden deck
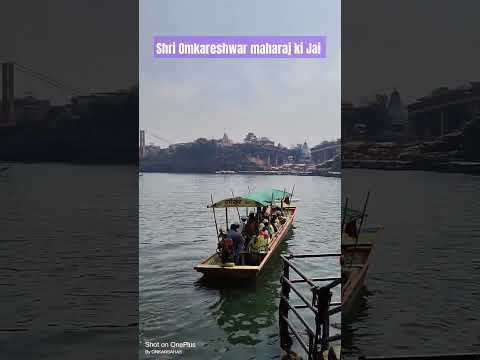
215, 261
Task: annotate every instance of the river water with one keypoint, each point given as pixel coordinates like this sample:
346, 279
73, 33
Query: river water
68, 262
423, 289
59, 222
177, 232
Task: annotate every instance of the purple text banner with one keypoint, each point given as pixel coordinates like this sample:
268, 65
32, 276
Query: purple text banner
239, 47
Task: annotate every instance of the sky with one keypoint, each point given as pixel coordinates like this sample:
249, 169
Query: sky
414, 46
87, 45
287, 100
92, 45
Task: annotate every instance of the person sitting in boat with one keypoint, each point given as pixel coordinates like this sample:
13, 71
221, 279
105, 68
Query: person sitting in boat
243, 225
281, 218
265, 231
275, 223
270, 228
260, 242
268, 211
225, 247
251, 228
221, 234
238, 241
265, 223
351, 229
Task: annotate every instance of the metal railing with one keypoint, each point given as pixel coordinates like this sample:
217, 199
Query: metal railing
320, 304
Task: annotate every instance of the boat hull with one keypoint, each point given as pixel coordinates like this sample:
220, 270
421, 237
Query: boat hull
357, 268
352, 289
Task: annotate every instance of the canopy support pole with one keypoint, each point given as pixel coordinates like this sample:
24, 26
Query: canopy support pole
214, 216
246, 211
363, 217
226, 217
360, 227
238, 211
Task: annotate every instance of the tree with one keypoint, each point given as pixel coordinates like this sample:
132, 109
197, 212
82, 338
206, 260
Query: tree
250, 138
202, 141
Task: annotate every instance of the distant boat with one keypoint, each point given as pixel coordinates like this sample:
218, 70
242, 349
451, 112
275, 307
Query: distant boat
225, 172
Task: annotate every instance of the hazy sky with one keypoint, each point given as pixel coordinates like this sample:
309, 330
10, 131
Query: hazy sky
412, 45
287, 100
78, 43
93, 45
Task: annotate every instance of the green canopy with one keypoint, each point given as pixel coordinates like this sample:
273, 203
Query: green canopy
254, 199
352, 214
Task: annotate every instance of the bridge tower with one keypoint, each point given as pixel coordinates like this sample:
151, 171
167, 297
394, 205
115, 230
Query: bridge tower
142, 143
8, 97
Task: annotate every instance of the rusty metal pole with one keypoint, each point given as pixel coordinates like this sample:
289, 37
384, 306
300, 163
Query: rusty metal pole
285, 339
311, 348
323, 298
318, 323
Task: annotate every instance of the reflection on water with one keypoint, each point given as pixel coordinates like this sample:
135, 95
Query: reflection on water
177, 232
358, 313
259, 298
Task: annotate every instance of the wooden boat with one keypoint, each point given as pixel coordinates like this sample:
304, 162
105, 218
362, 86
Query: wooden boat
214, 267
356, 261
356, 254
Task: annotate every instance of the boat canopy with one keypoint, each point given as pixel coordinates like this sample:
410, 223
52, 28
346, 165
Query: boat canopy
352, 214
253, 199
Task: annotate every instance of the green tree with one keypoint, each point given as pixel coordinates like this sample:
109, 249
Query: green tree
251, 138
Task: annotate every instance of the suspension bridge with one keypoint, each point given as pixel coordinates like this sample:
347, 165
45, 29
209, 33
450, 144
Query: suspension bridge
9, 69
150, 133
